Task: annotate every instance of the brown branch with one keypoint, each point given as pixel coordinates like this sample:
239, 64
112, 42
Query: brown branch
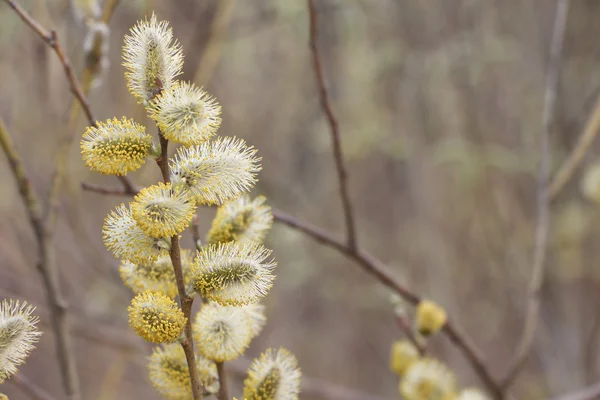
196, 232
223, 395
543, 201
46, 267
590, 393
185, 300
92, 187
334, 127
30, 388
405, 326
382, 272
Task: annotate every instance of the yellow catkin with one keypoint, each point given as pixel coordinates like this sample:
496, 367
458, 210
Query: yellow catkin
428, 379
273, 376
241, 219
161, 211
169, 373
430, 317
186, 114
115, 147
156, 317
472, 394
403, 354
233, 273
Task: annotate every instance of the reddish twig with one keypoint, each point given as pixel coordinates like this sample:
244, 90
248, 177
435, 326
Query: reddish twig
541, 234
334, 128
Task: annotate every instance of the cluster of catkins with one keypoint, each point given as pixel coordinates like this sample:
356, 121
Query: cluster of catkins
232, 271
423, 377
18, 335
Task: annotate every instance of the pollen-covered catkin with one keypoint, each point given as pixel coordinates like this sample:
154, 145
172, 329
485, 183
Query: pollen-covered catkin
169, 374
431, 317
233, 273
428, 379
156, 317
127, 241
152, 59
215, 171
242, 220
186, 114
18, 335
273, 376
115, 147
161, 211
403, 354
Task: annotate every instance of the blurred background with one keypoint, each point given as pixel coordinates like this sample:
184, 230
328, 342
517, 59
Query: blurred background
439, 104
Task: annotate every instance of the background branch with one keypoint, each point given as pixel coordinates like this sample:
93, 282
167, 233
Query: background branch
46, 267
543, 199
333, 126
30, 388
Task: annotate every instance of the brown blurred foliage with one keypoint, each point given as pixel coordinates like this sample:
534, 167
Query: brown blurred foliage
439, 103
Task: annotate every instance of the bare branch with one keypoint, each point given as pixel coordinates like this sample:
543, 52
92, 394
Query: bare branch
543, 201
223, 395
46, 267
333, 126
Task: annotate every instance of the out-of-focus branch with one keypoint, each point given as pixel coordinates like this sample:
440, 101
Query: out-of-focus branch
404, 324
543, 200
46, 267
28, 386
51, 38
382, 273
212, 50
590, 393
333, 126
575, 158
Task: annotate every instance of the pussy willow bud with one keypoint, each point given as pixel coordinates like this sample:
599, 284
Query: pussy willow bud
186, 114
127, 241
590, 184
233, 273
152, 59
403, 355
430, 317
170, 376
161, 211
241, 220
273, 376
115, 147
428, 379
217, 171
156, 318
18, 335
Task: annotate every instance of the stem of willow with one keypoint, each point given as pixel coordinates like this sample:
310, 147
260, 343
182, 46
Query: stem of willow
185, 300
223, 395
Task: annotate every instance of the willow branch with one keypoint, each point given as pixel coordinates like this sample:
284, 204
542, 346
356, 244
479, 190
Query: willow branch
333, 126
223, 395
543, 200
28, 386
46, 267
384, 275
405, 326
185, 300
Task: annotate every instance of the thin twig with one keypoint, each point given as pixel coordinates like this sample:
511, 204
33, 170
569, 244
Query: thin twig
590, 393
223, 395
28, 386
92, 187
543, 200
46, 267
404, 324
334, 127
185, 300
574, 159
196, 233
